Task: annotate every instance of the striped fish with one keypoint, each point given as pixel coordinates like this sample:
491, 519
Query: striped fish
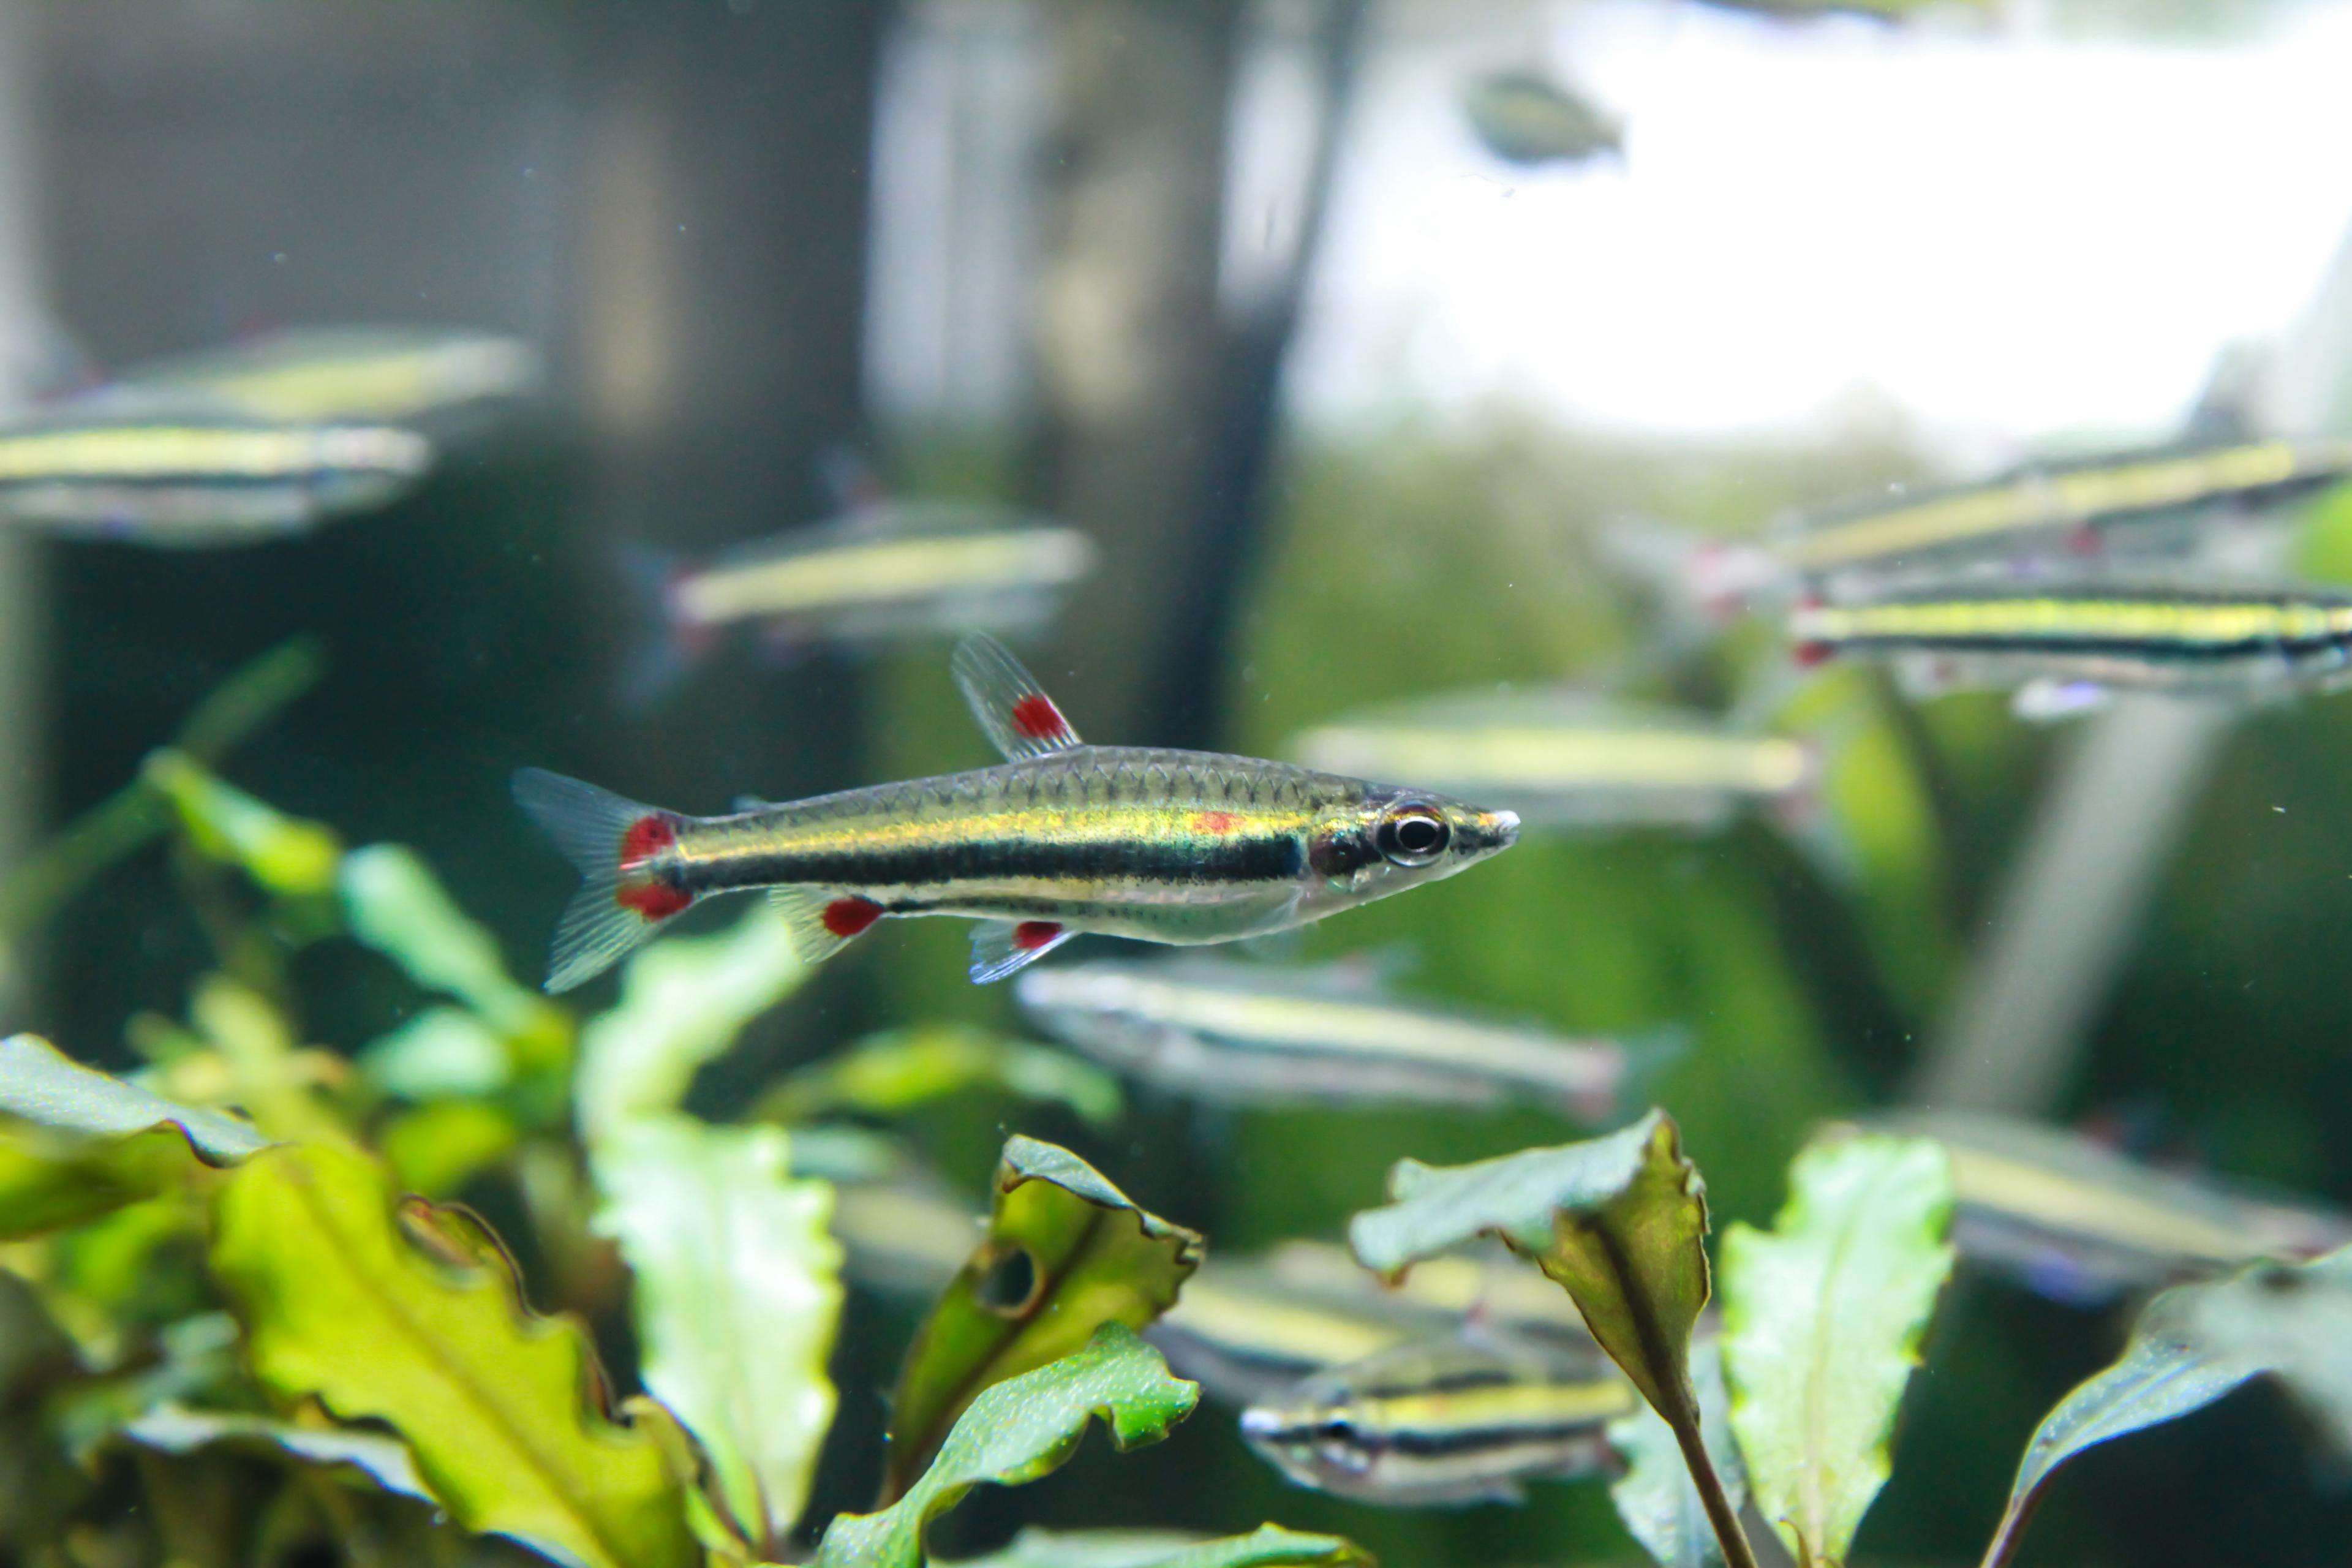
154, 472
1160, 846
1237, 1033
1243, 1333
1447, 1422
1562, 758
2066, 646
389, 374
2075, 1220
2078, 505
888, 570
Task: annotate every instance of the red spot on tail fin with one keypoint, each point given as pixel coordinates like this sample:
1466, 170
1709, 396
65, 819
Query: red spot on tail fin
646, 838
1035, 716
1031, 935
1810, 654
844, 917
656, 901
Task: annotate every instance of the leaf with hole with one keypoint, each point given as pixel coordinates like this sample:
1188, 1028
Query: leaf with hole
1822, 1323
1016, 1431
1066, 1252
410, 1315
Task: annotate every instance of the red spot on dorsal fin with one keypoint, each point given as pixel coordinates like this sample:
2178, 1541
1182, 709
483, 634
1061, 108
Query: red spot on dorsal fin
646, 838
844, 917
1035, 716
1031, 935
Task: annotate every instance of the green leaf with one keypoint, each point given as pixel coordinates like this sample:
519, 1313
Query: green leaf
398, 907
1016, 1431
1655, 1497
1267, 1546
2193, 1345
284, 854
75, 1143
895, 1071
1066, 1252
41, 1086
436, 1149
441, 1053
385, 1461
738, 1295
1620, 1222
343, 1302
1822, 1320
683, 1001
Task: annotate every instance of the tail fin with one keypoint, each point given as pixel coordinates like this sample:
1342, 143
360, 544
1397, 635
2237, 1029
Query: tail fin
663, 649
609, 839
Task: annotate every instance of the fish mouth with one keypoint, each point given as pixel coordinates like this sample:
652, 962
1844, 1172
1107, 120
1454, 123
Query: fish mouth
1501, 828
1262, 1425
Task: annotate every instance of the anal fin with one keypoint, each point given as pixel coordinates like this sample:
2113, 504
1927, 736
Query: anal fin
1000, 947
823, 921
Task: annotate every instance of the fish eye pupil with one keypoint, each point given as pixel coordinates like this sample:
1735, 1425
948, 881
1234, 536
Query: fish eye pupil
1414, 836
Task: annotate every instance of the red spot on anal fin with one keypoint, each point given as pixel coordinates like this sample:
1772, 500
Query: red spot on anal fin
1031, 935
1035, 716
844, 917
2084, 539
1810, 654
656, 899
646, 838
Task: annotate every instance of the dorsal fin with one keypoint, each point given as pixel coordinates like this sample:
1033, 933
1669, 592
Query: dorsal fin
1008, 702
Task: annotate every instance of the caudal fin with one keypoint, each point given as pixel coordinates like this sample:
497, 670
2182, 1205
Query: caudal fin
610, 840
663, 649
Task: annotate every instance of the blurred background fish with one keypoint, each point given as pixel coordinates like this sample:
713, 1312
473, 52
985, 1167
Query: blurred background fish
392, 374
182, 473
1234, 1032
1468, 1418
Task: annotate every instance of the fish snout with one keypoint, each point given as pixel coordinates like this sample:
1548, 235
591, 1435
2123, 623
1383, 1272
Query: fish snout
1501, 828
1261, 1425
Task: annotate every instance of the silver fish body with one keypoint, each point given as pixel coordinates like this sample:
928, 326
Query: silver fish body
1463, 1419
1238, 1033
395, 374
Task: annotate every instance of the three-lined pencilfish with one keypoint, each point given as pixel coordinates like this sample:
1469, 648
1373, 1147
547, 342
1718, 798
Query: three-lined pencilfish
389, 374
2075, 1220
888, 570
1564, 758
159, 471
1237, 1033
1447, 1422
2063, 648
1161, 846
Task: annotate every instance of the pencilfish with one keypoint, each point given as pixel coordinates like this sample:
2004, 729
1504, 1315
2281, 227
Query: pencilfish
1161, 846
390, 374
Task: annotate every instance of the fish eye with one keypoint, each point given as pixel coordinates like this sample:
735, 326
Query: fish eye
1413, 835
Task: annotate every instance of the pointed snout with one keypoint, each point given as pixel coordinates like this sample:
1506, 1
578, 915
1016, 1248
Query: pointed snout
1499, 829
1262, 1425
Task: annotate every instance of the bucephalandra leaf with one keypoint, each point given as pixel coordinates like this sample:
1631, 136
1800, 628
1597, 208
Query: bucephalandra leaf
737, 1298
385, 1461
411, 1316
1267, 1546
395, 905
1620, 1223
2193, 1344
1064, 1253
1016, 1431
1822, 1320
1655, 1498
46, 1088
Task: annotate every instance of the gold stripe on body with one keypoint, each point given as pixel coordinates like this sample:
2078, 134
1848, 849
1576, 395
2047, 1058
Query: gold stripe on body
881, 570
2028, 619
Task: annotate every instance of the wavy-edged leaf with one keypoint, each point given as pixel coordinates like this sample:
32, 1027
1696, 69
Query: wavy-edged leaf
738, 1295
438, 1053
395, 905
682, 1002
384, 1460
284, 854
1655, 1497
1267, 1546
2193, 1344
75, 1143
901, 1070
344, 1303
1822, 1319
1619, 1222
1065, 1252
1016, 1431
44, 1087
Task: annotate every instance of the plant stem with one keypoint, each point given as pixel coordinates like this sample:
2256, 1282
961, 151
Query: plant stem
2011, 1534
1683, 1421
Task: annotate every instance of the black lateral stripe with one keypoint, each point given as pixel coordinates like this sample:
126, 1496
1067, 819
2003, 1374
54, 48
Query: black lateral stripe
2156, 651
1471, 1440
1235, 859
